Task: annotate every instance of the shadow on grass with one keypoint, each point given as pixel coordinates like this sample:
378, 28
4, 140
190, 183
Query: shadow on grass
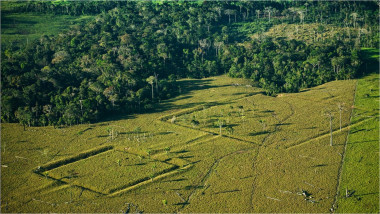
184, 157
194, 162
182, 204
319, 165
9, 22
216, 126
283, 124
371, 193
356, 131
133, 132
164, 133
258, 133
313, 127
180, 152
267, 111
190, 187
359, 142
186, 87
113, 117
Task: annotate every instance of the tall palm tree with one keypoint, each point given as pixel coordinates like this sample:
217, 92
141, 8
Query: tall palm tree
269, 10
150, 80
354, 18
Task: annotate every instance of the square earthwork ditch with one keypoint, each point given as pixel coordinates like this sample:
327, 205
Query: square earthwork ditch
110, 171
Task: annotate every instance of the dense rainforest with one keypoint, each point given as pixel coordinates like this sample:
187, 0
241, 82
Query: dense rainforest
130, 55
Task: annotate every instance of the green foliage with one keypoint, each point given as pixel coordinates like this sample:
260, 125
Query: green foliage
167, 150
164, 202
117, 63
194, 123
137, 130
230, 129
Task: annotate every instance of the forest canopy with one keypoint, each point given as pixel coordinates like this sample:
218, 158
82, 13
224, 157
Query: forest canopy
130, 55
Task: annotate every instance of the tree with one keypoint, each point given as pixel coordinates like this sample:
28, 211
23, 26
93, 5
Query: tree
204, 43
150, 80
221, 123
60, 56
258, 13
340, 108
330, 116
70, 115
354, 18
301, 13
162, 51
24, 116
218, 10
230, 129
217, 46
194, 123
156, 80
268, 10
174, 118
229, 12
263, 124
125, 39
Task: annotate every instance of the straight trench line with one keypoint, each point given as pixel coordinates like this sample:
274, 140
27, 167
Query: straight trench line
327, 134
60, 187
65, 184
196, 108
159, 177
339, 176
214, 133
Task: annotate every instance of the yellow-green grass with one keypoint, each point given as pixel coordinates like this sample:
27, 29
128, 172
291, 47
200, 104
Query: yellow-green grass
242, 171
109, 171
227, 188
21, 28
294, 118
360, 174
182, 190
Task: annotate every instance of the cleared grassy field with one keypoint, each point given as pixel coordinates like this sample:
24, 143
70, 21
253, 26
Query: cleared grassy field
360, 175
21, 28
308, 33
278, 157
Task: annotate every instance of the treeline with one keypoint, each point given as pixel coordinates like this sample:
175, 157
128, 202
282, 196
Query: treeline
280, 65
129, 57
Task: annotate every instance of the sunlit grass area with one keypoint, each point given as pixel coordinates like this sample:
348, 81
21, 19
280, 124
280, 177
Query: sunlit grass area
359, 188
23, 28
165, 165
